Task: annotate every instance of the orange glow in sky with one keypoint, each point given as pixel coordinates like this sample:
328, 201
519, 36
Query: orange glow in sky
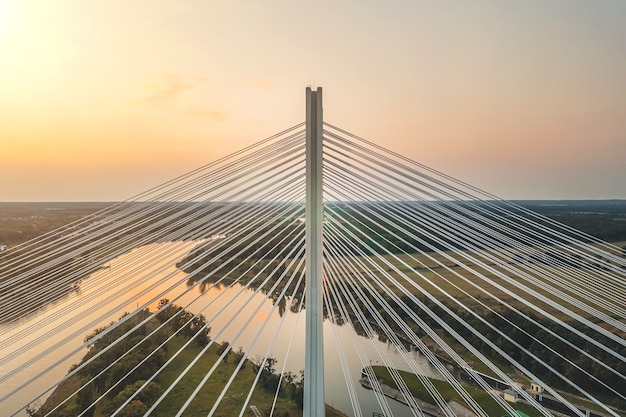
100, 100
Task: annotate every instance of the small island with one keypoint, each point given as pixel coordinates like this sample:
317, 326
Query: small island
115, 367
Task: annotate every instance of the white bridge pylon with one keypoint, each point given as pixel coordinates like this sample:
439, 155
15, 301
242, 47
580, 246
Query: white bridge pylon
314, 404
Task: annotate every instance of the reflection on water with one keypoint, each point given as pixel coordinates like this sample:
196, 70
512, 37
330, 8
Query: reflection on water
148, 274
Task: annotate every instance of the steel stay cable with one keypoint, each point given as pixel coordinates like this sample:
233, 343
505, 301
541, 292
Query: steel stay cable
289, 345
103, 302
342, 293
471, 187
604, 365
251, 345
300, 257
487, 220
391, 334
167, 221
532, 321
151, 208
26, 245
170, 303
174, 226
559, 337
466, 221
127, 317
375, 383
388, 364
408, 331
296, 290
461, 231
68, 337
493, 346
227, 210
147, 220
426, 309
348, 270
410, 312
469, 238
380, 398
365, 322
260, 238
470, 213
340, 349
210, 320
245, 355
426, 223
202, 352
515, 283
75, 318
213, 272
525, 220
395, 170
613, 267
191, 173
442, 323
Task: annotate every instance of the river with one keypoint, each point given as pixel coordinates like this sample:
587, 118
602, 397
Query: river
99, 296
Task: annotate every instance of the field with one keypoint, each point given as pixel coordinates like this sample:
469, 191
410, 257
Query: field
20, 222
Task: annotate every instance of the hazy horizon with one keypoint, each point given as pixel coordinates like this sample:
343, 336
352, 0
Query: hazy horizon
103, 100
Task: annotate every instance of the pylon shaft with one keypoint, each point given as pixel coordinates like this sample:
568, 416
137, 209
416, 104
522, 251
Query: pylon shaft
314, 353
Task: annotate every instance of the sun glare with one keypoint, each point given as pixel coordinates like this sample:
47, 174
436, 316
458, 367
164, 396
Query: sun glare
7, 16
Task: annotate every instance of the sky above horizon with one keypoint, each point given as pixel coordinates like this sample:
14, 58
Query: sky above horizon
101, 100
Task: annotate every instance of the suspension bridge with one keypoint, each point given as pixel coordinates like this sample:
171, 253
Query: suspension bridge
314, 240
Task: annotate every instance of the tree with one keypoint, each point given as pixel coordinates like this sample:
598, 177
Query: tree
147, 395
227, 350
34, 410
134, 409
84, 400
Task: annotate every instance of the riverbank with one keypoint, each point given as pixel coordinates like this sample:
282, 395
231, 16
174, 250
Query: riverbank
423, 398
427, 408
113, 369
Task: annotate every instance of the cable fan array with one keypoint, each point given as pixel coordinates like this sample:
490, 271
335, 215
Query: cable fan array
421, 255
214, 259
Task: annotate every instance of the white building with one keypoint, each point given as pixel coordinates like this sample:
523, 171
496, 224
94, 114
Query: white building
3, 248
510, 395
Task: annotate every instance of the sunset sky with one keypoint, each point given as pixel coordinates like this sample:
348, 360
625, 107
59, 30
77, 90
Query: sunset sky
102, 99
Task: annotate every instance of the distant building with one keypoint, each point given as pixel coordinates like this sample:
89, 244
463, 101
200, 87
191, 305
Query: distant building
510, 395
3, 248
534, 387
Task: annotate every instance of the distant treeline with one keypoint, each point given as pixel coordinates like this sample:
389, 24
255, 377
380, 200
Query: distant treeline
604, 219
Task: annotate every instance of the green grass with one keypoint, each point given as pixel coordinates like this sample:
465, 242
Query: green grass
230, 405
448, 393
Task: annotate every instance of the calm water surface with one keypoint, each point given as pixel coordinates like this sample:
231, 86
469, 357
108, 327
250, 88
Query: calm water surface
236, 315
